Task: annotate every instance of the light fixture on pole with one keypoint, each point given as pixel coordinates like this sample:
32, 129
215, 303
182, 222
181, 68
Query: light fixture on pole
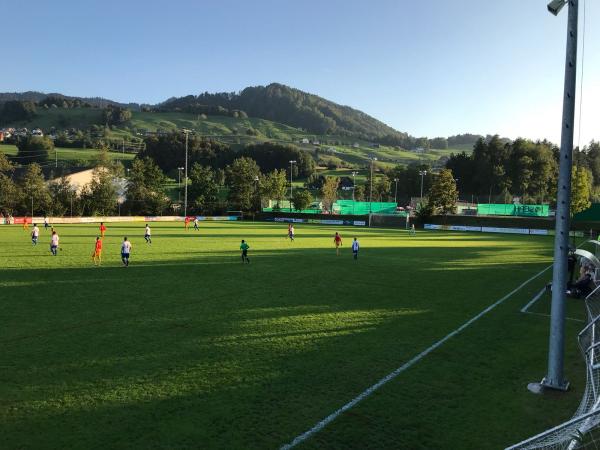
554, 378
179, 169
292, 162
422, 173
185, 176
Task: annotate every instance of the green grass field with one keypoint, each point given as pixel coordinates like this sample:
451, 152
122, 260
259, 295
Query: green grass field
188, 348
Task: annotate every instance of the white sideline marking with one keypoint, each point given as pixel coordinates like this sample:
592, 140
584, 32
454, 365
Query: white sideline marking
525, 308
331, 417
533, 300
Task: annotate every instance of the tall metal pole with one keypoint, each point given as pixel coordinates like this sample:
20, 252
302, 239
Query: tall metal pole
371, 188
422, 173
291, 185
396, 192
555, 377
353, 189
185, 198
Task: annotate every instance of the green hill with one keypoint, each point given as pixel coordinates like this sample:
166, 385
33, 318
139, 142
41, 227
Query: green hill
333, 149
338, 136
293, 107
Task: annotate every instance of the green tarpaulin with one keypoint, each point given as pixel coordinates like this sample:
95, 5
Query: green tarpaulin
494, 209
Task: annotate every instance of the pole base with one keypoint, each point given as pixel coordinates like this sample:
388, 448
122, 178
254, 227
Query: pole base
545, 384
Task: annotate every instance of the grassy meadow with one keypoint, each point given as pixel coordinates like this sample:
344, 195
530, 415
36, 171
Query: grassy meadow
189, 348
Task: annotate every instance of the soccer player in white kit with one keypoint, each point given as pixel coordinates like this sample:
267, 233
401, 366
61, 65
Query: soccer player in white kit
148, 235
355, 247
125, 251
54, 243
35, 234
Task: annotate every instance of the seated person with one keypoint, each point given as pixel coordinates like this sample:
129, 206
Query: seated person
584, 284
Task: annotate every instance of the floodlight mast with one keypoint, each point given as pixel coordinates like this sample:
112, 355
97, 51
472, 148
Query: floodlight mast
555, 377
185, 201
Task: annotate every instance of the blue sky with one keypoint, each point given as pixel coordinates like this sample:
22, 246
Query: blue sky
429, 67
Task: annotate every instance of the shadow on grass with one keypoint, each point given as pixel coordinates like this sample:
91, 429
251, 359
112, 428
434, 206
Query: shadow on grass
172, 356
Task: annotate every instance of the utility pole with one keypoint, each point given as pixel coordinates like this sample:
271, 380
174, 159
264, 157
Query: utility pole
291, 186
55, 157
422, 173
123, 146
554, 379
396, 192
353, 189
371, 188
185, 176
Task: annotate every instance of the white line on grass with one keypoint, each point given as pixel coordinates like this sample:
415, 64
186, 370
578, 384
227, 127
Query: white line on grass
525, 309
533, 300
331, 417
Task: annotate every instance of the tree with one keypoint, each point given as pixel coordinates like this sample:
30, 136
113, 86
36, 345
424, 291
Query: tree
382, 188
274, 185
145, 192
241, 175
99, 197
16, 111
34, 189
270, 156
359, 193
329, 191
169, 152
9, 194
63, 195
35, 149
5, 165
443, 194
115, 115
301, 199
204, 188
580, 189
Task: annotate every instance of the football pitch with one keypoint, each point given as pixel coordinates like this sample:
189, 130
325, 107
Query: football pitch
188, 348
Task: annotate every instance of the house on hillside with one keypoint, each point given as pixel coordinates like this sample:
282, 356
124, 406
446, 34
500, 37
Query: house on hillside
346, 184
304, 141
356, 145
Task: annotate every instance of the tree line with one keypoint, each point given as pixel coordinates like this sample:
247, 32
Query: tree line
221, 179
498, 170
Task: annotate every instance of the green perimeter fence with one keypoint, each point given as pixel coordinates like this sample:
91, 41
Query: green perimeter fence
348, 207
495, 209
